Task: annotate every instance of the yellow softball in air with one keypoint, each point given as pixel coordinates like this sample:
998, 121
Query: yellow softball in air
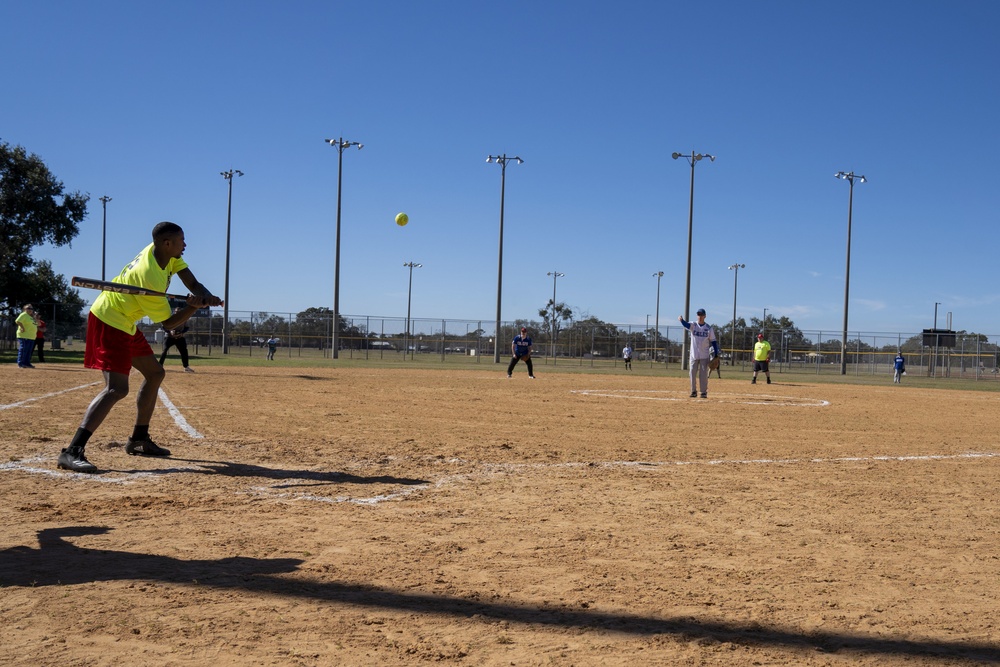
402, 219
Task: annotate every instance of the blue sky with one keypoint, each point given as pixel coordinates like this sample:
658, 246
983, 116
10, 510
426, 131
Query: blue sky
147, 103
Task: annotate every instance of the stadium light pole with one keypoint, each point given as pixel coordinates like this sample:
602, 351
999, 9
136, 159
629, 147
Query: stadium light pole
340, 144
850, 178
693, 158
552, 316
409, 293
104, 233
937, 339
736, 277
501, 160
228, 175
646, 338
656, 338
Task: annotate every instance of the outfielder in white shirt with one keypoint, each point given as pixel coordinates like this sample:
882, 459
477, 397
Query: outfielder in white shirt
703, 348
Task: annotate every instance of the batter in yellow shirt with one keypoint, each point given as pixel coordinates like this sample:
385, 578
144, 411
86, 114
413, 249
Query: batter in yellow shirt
122, 311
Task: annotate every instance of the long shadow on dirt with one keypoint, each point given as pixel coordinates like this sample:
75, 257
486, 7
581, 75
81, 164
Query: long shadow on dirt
58, 562
230, 469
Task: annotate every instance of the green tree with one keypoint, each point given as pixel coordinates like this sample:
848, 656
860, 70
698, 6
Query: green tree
313, 326
267, 325
554, 315
595, 336
352, 335
34, 209
729, 343
783, 335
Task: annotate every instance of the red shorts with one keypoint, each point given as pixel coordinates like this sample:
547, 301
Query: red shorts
111, 349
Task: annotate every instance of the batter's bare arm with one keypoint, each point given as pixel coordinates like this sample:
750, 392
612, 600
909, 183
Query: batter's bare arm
177, 320
197, 289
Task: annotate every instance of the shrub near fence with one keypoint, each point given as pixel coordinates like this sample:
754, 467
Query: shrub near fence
474, 341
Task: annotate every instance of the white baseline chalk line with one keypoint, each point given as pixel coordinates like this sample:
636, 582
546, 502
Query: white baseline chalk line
30, 465
736, 462
174, 412
182, 423
371, 502
38, 398
651, 466
744, 399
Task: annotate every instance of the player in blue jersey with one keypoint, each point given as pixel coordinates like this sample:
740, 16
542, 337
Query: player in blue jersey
520, 348
703, 348
898, 367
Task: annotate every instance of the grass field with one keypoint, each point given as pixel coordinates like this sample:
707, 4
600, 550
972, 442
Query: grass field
247, 356
360, 513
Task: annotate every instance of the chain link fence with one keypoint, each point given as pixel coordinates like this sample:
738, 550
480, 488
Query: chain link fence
584, 343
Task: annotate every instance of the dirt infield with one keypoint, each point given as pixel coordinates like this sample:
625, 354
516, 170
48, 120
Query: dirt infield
366, 516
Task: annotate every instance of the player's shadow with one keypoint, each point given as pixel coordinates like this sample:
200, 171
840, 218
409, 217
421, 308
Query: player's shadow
58, 562
230, 469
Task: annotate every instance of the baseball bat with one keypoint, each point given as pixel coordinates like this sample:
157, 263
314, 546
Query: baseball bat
108, 286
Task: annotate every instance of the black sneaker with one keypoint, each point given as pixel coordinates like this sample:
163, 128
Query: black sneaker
694, 394
769, 380
145, 448
753, 381
704, 395
75, 461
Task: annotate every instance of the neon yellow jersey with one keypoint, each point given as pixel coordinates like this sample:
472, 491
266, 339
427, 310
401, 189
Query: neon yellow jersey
122, 311
28, 322
761, 350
